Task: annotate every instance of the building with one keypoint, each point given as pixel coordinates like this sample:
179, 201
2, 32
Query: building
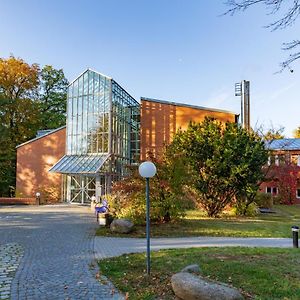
283, 170
107, 130
160, 120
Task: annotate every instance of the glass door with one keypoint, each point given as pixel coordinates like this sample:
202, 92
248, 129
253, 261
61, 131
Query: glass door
81, 189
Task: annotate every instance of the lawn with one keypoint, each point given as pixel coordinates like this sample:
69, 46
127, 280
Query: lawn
259, 273
196, 224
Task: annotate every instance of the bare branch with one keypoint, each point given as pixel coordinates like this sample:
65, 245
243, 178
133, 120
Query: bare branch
288, 18
293, 57
237, 6
273, 6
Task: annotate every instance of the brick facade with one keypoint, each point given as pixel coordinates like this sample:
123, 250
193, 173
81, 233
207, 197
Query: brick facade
34, 159
160, 120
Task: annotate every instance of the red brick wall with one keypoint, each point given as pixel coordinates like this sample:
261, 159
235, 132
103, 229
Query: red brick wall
34, 159
9, 201
160, 121
264, 185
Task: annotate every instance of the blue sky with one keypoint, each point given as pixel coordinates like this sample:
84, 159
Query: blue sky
166, 49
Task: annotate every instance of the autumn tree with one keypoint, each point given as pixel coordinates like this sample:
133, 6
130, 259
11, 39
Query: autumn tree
290, 11
273, 134
296, 133
18, 80
285, 178
225, 162
19, 114
30, 100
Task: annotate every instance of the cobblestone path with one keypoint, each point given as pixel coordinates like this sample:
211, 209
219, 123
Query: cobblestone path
10, 256
58, 261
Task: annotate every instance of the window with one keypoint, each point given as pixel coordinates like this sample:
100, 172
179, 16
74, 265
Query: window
273, 190
298, 193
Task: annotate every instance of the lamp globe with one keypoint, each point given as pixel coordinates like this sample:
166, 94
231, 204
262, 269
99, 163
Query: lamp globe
147, 169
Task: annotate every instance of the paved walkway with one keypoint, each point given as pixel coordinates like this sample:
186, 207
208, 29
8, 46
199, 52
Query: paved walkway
57, 249
109, 247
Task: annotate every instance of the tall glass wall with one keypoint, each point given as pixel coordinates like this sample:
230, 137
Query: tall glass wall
125, 129
101, 118
88, 114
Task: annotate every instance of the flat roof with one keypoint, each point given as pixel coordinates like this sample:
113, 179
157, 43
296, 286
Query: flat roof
188, 105
41, 136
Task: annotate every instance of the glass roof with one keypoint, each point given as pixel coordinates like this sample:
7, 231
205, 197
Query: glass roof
80, 164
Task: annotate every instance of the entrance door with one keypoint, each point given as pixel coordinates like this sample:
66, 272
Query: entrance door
82, 188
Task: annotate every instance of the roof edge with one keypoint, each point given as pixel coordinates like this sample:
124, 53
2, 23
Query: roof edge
39, 137
285, 144
188, 105
86, 70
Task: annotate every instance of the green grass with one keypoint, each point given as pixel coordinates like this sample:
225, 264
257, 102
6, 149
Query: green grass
196, 224
259, 273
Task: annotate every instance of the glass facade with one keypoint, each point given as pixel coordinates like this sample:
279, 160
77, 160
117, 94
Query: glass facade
88, 108
103, 136
125, 130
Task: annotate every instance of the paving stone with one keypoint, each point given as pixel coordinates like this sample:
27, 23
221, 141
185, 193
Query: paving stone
55, 251
10, 257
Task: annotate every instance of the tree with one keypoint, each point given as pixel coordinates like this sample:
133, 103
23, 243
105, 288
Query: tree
19, 114
18, 79
53, 97
292, 11
30, 100
273, 134
225, 162
296, 133
168, 199
19, 121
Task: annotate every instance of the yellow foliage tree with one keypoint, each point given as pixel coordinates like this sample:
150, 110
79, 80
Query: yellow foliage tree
296, 133
17, 78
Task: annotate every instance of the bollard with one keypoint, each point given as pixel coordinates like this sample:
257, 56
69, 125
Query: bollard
295, 230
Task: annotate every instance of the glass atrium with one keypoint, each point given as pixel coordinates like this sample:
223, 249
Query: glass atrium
103, 127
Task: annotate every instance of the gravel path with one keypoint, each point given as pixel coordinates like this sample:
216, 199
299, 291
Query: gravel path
58, 261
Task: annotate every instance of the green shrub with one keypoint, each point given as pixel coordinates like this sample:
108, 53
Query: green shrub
264, 200
167, 195
133, 206
251, 211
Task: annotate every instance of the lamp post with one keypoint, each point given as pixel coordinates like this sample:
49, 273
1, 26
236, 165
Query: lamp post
147, 170
38, 198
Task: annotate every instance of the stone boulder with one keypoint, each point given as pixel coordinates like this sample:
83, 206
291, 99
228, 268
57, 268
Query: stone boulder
121, 226
188, 286
192, 269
